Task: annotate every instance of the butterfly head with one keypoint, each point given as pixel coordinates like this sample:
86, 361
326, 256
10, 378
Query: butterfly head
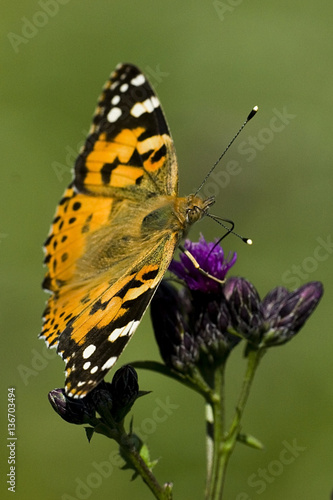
196, 208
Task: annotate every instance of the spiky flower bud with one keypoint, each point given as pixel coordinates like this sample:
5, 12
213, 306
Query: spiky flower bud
74, 411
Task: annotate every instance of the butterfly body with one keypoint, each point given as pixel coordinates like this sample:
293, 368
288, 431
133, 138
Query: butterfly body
115, 231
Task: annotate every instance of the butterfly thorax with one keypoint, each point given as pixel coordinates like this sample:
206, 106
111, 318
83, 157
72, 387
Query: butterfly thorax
132, 226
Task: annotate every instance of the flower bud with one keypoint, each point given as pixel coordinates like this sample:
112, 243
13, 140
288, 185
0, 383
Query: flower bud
177, 347
286, 312
74, 411
124, 391
244, 307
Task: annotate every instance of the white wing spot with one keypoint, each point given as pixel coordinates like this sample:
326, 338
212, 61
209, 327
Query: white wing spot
114, 85
149, 105
124, 87
146, 106
115, 100
79, 384
138, 110
94, 370
115, 334
155, 101
89, 351
138, 80
133, 327
110, 362
113, 115
123, 332
86, 365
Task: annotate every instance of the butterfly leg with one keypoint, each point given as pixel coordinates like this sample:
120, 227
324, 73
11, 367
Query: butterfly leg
197, 266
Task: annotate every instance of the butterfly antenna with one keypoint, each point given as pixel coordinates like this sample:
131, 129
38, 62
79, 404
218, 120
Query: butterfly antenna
250, 116
230, 230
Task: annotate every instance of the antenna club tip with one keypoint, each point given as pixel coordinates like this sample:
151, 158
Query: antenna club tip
252, 113
248, 241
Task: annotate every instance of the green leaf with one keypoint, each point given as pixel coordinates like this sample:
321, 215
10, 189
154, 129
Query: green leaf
89, 432
145, 455
250, 441
142, 450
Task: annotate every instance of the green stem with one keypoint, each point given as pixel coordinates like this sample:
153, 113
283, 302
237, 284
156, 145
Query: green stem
160, 492
132, 456
224, 444
194, 380
209, 443
216, 429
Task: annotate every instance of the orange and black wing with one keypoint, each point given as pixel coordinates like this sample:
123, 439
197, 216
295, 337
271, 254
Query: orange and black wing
98, 297
129, 151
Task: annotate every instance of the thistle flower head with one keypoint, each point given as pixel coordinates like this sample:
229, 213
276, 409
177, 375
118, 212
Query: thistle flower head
286, 312
210, 257
205, 320
191, 324
274, 320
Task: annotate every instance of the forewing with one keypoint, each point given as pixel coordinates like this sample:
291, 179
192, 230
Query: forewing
129, 146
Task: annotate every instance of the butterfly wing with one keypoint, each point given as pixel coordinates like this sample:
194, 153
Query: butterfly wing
98, 331
93, 273
129, 149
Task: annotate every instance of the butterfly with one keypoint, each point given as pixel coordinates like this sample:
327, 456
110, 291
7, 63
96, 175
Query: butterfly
115, 231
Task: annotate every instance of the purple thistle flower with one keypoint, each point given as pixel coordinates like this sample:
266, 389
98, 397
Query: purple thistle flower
210, 257
286, 312
274, 320
244, 306
191, 324
200, 324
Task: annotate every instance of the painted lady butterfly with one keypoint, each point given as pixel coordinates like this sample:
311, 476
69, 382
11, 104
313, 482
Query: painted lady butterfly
114, 232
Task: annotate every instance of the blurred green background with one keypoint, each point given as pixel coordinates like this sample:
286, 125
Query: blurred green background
210, 62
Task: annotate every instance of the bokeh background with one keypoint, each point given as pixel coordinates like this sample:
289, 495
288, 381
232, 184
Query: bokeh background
210, 62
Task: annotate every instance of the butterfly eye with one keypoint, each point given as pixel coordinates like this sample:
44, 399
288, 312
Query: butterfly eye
193, 214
